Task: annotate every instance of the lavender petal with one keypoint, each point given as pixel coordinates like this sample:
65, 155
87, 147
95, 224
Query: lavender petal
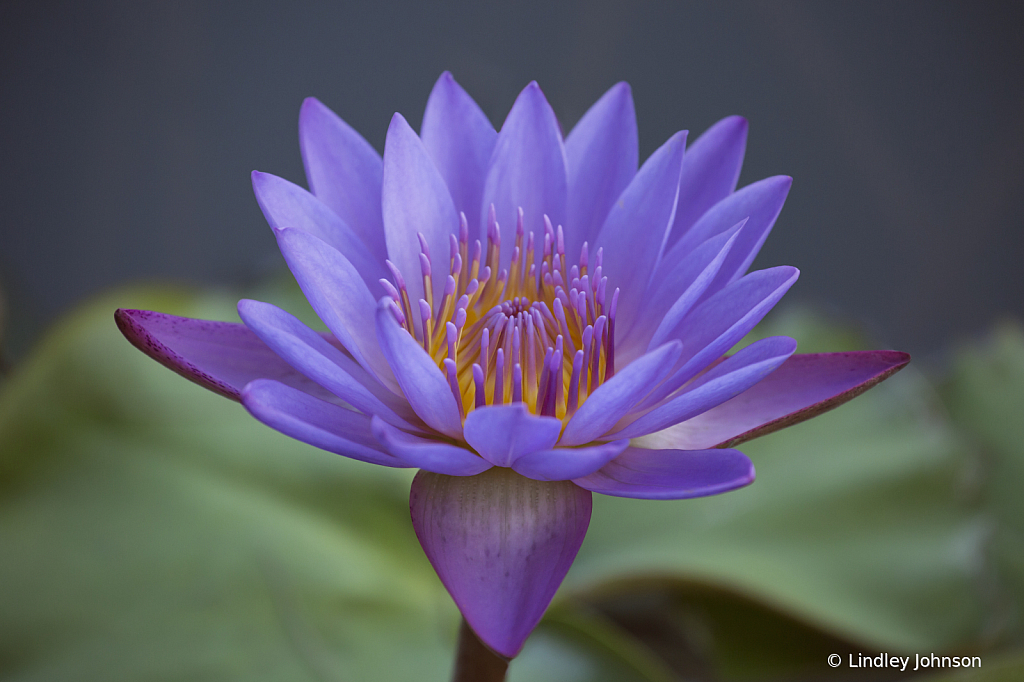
721, 383
504, 433
460, 139
562, 464
310, 354
638, 225
422, 383
527, 169
672, 296
760, 204
416, 201
804, 386
344, 172
428, 454
717, 324
615, 397
314, 421
602, 152
220, 356
710, 171
287, 205
670, 474
339, 296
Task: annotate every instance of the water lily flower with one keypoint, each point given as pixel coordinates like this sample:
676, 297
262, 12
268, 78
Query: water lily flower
526, 318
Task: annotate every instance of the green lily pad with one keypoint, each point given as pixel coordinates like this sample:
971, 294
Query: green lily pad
985, 396
1001, 669
152, 530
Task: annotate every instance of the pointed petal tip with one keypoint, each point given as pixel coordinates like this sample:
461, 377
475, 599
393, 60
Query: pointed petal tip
125, 319
679, 137
133, 325
311, 109
533, 92
792, 396
738, 123
894, 359
397, 119
792, 272
311, 104
744, 481
783, 182
398, 130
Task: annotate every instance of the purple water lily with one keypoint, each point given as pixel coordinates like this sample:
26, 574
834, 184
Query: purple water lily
527, 319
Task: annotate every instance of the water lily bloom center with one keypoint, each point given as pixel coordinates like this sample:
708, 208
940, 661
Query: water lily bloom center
540, 332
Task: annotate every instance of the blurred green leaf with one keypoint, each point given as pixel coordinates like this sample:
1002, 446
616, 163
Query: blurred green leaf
152, 530
708, 633
1004, 669
985, 396
861, 524
583, 645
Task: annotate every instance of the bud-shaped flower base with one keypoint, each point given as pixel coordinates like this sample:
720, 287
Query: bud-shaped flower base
501, 544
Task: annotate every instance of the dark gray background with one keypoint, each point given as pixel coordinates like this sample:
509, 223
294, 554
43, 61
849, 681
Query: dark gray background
129, 130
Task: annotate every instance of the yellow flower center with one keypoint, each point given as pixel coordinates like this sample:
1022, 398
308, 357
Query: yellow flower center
536, 332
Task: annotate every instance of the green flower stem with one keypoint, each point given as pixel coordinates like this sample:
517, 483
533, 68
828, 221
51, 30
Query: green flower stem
474, 662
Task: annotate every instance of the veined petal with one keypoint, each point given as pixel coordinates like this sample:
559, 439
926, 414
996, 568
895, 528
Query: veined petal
504, 433
314, 421
343, 171
615, 397
313, 356
220, 356
717, 324
339, 296
285, 204
501, 544
670, 474
710, 172
562, 464
416, 201
638, 225
527, 169
602, 152
460, 139
760, 203
422, 383
802, 387
722, 382
432, 455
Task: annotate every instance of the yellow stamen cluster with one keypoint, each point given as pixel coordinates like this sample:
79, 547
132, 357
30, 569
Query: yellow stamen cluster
538, 332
